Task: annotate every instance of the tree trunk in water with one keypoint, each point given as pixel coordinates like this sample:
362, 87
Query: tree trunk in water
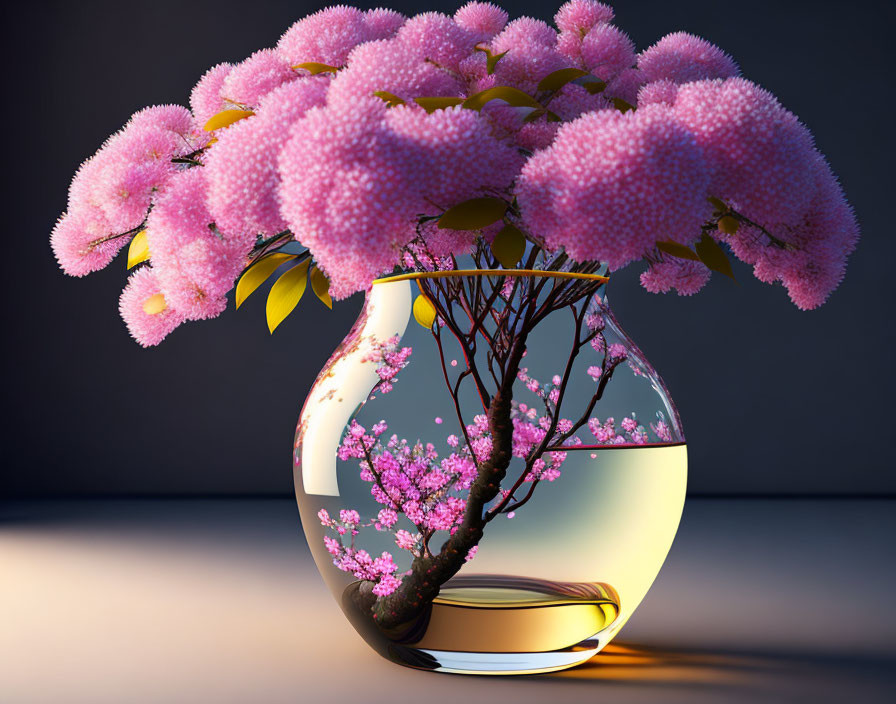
428, 574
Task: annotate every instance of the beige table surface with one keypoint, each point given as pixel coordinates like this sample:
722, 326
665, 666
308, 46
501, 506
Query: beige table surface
218, 601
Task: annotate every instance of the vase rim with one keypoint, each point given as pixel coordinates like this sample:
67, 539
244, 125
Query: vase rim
490, 272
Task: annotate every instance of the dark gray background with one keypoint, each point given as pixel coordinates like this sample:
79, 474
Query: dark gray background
774, 400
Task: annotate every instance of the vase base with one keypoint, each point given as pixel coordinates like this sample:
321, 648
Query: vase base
471, 663
499, 625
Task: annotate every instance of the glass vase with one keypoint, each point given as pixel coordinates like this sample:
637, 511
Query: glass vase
489, 472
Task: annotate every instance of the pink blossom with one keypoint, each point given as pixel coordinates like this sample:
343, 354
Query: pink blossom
195, 265
386, 518
381, 23
617, 352
438, 38
685, 276
206, 100
607, 52
522, 34
327, 36
626, 86
594, 372
349, 516
579, 16
483, 19
349, 186
446, 138
531, 55
391, 66
820, 244
658, 92
148, 324
405, 540
471, 553
683, 57
610, 179
244, 183
758, 152
78, 241
248, 82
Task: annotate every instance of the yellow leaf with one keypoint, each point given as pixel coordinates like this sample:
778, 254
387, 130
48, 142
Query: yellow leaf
314, 68
508, 246
320, 284
491, 60
595, 86
285, 294
677, 250
225, 118
511, 96
258, 273
473, 214
728, 224
155, 304
424, 311
713, 256
719, 205
433, 104
138, 249
557, 79
534, 115
390, 98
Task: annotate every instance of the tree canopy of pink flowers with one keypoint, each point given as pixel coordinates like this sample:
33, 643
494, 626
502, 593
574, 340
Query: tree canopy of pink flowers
357, 131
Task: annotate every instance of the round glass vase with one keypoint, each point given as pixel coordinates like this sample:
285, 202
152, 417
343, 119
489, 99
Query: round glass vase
489, 472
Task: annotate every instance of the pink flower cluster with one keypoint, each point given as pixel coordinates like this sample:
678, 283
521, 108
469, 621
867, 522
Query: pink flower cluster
380, 570
389, 359
725, 139
333, 149
629, 432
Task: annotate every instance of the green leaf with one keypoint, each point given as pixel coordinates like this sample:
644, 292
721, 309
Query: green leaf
285, 294
433, 104
314, 68
473, 214
677, 250
511, 96
424, 311
557, 79
509, 246
320, 284
258, 273
225, 118
595, 86
713, 256
138, 249
391, 99
621, 105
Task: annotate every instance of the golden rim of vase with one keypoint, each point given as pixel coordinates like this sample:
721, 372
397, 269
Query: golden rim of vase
413, 275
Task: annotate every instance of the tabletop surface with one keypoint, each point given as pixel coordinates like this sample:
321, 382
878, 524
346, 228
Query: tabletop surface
218, 601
